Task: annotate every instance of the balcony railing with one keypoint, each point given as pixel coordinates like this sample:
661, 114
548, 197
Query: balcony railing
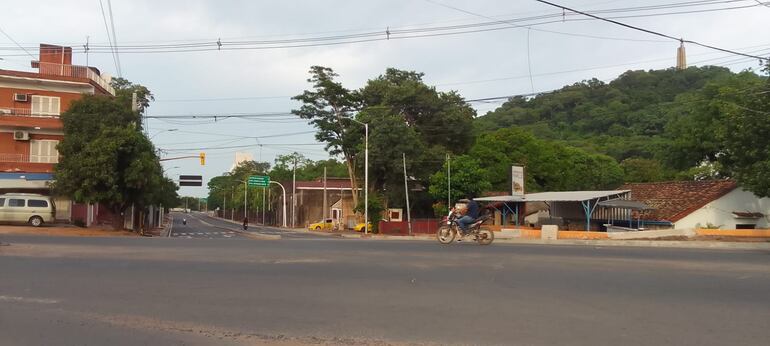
24, 112
75, 71
13, 157
24, 158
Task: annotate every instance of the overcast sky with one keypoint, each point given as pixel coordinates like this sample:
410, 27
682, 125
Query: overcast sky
478, 65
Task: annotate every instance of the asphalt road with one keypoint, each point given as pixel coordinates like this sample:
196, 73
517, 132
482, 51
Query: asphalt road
239, 291
201, 226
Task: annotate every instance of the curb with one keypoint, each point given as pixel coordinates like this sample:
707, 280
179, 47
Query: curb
597, 243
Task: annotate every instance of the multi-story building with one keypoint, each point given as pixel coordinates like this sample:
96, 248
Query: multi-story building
30, 128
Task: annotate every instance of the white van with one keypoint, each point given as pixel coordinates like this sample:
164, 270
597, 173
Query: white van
29, 208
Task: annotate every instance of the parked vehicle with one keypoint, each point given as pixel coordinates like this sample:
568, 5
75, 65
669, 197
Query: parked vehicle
29, 208
449, 229
325, 225
360, 227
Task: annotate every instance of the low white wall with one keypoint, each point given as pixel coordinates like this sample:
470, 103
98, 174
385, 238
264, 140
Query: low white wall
720, 212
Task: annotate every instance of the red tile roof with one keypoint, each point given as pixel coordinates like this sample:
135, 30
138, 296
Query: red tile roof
673, 200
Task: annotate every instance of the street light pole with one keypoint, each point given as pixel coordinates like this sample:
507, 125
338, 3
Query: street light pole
245, 189
168, 130
284, 200
366, 179
366, 174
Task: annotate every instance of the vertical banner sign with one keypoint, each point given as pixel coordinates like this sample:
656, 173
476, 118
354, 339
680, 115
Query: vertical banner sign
517, 181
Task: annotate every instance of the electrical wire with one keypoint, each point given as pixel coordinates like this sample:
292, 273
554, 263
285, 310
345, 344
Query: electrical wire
651, 31
389, 34
109, 38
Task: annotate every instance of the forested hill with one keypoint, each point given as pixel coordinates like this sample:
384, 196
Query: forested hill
648, 117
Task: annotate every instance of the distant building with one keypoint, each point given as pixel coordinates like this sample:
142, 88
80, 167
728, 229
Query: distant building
30, 128
309, 206
241, 157
694, 204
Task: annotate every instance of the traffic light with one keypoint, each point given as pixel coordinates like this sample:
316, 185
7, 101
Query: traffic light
203, 159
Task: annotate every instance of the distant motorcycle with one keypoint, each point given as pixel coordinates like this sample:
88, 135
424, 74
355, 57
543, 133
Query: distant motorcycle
184, 221
449, 229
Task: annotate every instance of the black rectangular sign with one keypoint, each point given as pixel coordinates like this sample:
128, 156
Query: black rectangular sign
190, 180
191, 177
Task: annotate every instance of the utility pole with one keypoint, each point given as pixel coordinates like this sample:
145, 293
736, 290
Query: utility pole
406, 193
263, 206
224, 204
294, 194
366, 178
324, 211
449, 182
245, 202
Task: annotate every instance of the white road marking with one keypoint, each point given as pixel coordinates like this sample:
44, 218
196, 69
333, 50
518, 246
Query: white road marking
27, 300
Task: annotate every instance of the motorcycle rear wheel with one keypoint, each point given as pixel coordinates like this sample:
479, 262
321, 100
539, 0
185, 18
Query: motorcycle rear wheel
485, 236
445, 235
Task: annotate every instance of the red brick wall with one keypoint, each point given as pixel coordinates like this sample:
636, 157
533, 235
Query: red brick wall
7, 100
419, 226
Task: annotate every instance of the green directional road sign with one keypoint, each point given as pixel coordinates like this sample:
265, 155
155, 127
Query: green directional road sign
259, 180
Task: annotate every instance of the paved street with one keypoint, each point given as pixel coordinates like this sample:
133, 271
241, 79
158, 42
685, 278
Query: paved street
239, 291
202, 226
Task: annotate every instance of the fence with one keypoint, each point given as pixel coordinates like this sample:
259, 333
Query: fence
75, 71
419, 226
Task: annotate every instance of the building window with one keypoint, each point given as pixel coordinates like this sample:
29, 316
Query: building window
745, 226
43, 151
45, 105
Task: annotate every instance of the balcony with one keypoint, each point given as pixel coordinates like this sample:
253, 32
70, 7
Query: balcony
74, 71
24, 158
25, 112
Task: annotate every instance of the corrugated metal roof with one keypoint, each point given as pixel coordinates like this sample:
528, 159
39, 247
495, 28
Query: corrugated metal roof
500, 199
624, 204
558, 196
571, 196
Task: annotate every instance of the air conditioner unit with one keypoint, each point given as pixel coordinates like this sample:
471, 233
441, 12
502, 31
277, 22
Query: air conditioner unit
20, 97
21, 135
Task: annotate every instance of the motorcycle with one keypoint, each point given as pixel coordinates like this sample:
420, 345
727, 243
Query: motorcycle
184, 221
450, 229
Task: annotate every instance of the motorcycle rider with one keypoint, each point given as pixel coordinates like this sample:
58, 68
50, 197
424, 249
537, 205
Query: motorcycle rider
471, 214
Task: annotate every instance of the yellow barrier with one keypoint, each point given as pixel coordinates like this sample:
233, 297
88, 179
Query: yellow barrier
754, 233
582, 235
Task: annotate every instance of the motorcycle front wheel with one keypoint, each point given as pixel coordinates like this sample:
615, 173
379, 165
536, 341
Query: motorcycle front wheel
445, 234
485, 236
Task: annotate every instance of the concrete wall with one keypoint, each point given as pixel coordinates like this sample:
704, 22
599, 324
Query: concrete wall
720, 212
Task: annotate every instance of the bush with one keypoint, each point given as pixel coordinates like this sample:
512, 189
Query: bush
79, 223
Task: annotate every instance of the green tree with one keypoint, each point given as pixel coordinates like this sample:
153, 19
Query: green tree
116, 168
549, 166
330, 107
124, 91
640, 170
468, 179
105, 157
747, 148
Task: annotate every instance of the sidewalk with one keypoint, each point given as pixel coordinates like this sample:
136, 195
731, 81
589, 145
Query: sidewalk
685, 244
64, 231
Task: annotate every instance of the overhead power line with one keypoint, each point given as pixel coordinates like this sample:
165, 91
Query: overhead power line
109, 37
409, 33
651, 31
114, 39
17, 44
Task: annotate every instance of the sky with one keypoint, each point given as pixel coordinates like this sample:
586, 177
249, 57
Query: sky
518, 57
